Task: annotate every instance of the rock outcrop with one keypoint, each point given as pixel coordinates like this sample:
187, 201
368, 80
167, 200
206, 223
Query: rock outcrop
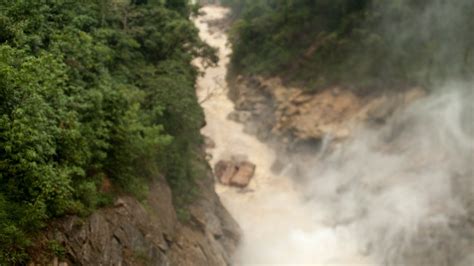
269, 108
149, 233
234, 172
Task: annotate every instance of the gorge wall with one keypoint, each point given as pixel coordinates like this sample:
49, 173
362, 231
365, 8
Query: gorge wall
388, 173
149, 232
342, 178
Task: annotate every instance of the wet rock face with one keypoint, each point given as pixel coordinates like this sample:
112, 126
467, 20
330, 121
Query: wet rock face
245, 172
267, 107
235, 172
132, 233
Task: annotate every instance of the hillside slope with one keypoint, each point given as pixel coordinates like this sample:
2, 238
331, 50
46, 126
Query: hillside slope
98, 107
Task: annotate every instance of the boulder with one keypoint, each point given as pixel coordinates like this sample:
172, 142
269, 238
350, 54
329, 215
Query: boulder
244, 173
225, 170
234, 172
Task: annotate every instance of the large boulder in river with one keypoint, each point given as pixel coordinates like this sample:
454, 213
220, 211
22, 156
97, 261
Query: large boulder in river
234, 173
245, 172
225, 170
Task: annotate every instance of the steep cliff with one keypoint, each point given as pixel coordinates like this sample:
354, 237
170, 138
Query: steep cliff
269, 108
101, 92
393, 168
149, 233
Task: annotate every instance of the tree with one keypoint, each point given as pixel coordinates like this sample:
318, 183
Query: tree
92, 90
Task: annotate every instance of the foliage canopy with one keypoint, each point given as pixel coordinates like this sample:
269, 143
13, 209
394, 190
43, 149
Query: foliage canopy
91, 90
363, 43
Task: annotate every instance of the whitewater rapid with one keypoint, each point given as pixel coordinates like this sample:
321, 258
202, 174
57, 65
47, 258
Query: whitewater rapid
278, 227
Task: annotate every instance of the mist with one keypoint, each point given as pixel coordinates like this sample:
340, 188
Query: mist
401, 193
432, 40
407, 190
404, 191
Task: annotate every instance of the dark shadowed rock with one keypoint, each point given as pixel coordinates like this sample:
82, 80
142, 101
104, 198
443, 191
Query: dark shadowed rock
128, 233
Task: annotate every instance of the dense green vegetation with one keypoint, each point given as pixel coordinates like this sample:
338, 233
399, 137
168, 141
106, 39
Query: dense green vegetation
92, 89
363, 43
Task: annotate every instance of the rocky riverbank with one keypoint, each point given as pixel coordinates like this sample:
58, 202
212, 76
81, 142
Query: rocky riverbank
149, 233
133, 232
270, 109
367, 179
407, 132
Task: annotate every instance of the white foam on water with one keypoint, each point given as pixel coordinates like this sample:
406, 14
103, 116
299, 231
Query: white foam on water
388, 197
